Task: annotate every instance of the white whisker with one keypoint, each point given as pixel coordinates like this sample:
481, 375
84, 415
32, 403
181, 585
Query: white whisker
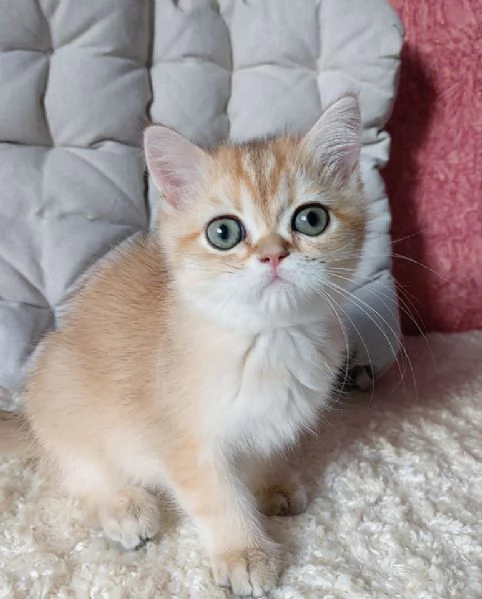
360, 304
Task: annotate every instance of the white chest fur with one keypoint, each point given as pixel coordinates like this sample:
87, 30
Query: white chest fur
273, 389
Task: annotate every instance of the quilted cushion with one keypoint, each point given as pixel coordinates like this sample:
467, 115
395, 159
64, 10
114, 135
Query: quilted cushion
73, 92
75, 86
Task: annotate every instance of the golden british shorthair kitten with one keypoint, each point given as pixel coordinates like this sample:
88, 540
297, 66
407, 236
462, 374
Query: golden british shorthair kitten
194, 356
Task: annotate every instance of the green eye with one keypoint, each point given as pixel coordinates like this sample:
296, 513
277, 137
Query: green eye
310, 219
225, 232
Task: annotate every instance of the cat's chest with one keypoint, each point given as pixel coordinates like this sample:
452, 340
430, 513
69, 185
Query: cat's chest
275, 387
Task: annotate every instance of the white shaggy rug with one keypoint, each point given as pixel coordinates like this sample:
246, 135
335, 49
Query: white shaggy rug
395, 512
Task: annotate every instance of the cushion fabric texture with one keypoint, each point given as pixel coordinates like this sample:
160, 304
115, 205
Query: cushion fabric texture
78, 81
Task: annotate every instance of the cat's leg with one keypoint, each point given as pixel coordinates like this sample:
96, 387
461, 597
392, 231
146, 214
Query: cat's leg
243, 557
276, 485
128, 514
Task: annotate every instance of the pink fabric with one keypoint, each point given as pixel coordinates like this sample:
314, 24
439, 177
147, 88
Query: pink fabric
434, 177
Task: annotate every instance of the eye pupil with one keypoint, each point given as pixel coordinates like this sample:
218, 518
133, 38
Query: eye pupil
312, 218
223, 232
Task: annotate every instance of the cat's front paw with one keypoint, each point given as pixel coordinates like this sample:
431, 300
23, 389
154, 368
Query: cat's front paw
287, 499
252, 572
130, 517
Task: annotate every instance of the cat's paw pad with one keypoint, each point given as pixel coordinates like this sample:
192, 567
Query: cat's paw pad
249, 573
283, 500
131, 518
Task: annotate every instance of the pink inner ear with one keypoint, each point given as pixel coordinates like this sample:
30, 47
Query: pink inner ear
174, 163
173, 188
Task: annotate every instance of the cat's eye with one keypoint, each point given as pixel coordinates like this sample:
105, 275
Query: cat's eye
225, 232
310, 219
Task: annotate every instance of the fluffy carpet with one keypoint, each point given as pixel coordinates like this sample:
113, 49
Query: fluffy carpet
395, 512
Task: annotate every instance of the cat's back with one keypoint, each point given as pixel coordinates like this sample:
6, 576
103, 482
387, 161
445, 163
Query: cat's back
114, 324
124, 296
126, 281
96, 373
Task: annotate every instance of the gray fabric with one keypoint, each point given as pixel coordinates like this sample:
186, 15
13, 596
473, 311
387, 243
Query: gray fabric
76, 82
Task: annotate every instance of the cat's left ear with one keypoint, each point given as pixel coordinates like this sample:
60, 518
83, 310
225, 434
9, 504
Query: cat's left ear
174, 163
334, 141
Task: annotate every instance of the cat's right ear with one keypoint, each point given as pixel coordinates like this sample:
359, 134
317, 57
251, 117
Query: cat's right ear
174, 163
335, 139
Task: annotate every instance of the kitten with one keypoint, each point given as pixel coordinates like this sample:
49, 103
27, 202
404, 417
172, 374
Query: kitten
196, 354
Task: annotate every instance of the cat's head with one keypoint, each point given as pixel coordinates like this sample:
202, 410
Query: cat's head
256, 234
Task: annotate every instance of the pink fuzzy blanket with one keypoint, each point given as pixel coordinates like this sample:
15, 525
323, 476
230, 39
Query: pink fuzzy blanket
434, 177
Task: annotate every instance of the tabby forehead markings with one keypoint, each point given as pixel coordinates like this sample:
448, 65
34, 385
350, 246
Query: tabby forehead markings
263, 190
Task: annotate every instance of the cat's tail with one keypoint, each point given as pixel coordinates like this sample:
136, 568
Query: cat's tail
16, 438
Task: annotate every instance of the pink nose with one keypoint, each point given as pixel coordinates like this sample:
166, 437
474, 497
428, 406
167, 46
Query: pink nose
273, 258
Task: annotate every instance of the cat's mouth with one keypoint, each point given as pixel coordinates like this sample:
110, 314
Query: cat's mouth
275, 281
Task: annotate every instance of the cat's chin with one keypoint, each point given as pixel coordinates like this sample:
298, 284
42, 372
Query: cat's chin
276, 286
276, 307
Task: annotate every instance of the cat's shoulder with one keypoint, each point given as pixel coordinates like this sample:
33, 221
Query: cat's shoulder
131, 279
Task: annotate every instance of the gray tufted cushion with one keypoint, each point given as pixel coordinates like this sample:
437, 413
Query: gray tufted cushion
73, 92
75, 85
